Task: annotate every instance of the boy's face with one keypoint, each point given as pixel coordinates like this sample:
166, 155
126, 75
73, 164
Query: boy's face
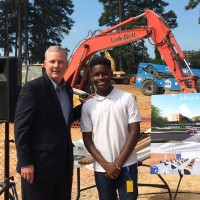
101, 76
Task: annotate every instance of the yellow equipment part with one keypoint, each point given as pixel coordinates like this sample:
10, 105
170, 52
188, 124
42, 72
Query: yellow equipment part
76, 100
118, 76
109, 57
78, 94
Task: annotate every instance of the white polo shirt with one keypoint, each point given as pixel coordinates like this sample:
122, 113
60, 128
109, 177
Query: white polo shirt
108, 117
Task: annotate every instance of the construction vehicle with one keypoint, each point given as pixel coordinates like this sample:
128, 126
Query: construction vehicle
30, 72
119, 77
156, 79
155, 29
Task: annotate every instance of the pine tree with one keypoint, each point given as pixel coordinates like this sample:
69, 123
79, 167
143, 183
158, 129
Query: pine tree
29, 27
192, 4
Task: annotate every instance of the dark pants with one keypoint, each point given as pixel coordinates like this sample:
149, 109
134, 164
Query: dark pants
107, 188
47, 190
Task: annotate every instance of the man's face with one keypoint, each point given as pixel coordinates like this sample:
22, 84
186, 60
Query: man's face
101, 76
55, 64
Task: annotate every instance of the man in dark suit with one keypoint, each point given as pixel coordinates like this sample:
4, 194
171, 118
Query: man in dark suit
43, 117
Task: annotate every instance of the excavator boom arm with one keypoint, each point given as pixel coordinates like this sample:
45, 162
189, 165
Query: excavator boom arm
156, 29
99, 43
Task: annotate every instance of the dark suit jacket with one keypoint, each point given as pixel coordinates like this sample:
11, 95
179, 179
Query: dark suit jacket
41, 135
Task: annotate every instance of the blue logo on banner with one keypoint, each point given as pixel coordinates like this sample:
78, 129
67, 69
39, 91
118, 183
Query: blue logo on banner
154, 170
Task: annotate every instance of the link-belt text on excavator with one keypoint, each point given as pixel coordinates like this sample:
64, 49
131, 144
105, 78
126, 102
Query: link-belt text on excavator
125, 37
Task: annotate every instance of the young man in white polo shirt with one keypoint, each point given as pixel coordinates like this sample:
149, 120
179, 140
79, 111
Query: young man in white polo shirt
110, 124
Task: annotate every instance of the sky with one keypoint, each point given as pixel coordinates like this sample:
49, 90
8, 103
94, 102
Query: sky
185, 104
87, 13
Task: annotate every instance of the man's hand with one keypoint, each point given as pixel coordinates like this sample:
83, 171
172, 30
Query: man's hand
27, 173
83, 100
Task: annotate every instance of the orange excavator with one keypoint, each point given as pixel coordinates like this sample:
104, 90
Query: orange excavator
155, 29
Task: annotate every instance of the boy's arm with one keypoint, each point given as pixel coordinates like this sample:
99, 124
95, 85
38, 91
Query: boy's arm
130, 143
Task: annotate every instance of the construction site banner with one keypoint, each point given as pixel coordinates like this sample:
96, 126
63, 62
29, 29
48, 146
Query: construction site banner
175, 134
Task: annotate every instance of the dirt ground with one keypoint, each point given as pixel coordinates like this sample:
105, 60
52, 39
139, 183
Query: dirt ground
189, 185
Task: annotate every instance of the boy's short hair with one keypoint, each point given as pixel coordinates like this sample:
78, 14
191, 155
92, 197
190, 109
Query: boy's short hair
101, 61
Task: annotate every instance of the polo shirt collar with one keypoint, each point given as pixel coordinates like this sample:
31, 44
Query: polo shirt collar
101, 98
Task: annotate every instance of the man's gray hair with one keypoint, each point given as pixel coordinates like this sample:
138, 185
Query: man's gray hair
55, 48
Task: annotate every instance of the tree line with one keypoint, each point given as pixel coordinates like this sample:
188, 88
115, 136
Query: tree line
28, 28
